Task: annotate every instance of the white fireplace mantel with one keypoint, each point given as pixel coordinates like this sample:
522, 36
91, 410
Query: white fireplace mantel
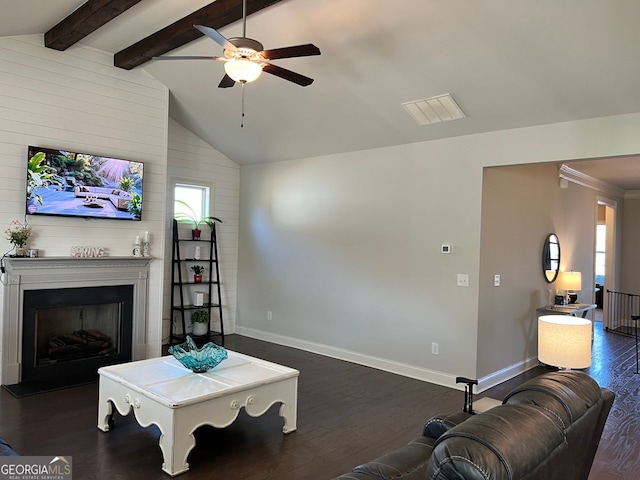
67, 272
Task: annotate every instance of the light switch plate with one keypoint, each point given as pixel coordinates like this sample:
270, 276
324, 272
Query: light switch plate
463, 280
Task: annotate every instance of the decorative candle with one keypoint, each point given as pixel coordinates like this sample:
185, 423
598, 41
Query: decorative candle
137, 239
146, 236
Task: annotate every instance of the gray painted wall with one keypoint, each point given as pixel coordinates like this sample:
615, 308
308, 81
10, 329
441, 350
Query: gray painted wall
345, 249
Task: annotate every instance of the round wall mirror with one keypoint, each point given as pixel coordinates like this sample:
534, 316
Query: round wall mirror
551, 258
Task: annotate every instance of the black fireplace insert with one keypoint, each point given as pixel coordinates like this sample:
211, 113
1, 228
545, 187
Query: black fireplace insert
69, 333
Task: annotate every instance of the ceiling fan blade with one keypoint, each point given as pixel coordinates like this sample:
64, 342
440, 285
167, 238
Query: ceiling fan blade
287, 74
226, 82
305, 50
216, 37
188, 57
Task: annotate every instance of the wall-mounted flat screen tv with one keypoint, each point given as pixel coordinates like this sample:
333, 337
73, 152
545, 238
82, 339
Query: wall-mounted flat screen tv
73, 184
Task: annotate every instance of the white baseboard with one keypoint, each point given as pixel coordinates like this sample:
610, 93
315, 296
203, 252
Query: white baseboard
439, 378
505, 374
403, 369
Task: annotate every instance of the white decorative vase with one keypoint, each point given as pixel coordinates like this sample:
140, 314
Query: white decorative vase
200, 328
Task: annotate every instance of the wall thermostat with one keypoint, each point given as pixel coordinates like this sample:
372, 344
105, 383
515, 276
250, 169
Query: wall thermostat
446, 248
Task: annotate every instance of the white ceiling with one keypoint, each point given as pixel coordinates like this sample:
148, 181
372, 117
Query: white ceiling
508, 63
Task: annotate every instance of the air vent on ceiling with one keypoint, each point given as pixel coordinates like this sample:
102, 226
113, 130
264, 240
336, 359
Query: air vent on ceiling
434, 110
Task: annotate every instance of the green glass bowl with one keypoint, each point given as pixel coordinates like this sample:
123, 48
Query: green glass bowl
199, 360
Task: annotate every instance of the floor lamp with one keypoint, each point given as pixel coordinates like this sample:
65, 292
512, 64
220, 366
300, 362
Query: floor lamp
564, 341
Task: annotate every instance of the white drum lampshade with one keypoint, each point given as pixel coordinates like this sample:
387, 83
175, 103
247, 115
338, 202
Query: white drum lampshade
564, 341
572, 281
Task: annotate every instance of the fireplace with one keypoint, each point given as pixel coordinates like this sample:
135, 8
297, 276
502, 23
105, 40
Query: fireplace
68, 333
66, 317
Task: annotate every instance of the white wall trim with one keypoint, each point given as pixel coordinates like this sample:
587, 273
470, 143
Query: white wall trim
632, 195
505, 374
585, 180
431, 376
439, 378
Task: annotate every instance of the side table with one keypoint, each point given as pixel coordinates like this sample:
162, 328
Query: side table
575, 309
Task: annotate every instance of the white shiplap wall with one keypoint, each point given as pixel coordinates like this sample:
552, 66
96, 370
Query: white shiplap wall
190, 159
77, 100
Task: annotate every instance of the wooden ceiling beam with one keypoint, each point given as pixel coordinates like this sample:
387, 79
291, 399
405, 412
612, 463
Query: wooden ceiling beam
84, 20
216, 15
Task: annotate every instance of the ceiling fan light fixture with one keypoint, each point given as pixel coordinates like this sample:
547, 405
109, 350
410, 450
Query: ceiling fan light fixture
242, 70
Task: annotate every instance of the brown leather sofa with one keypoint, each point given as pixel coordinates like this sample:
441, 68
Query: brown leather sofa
547, 428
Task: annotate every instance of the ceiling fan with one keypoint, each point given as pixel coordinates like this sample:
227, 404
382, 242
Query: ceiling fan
245, 58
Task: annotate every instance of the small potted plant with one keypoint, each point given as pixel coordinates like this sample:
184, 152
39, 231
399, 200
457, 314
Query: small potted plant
200, 322
190, 217
197, 273
18, 234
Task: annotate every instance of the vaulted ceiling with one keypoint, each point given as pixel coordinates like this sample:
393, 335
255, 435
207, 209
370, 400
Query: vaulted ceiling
508, 64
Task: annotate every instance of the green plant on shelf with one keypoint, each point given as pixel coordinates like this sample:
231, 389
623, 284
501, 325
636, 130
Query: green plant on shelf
189, 216
200, 316
198, 269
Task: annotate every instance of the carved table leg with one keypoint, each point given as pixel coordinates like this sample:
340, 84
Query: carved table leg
175, 452
105, 408
105, 416
289, 407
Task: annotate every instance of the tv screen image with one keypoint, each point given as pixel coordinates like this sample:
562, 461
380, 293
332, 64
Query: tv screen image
73, 184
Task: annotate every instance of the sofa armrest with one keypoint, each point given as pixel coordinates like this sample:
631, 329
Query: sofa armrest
439, 424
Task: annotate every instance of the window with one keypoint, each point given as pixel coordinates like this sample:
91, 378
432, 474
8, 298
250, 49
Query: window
196, 196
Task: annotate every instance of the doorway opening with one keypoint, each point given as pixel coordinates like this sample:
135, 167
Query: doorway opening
604, 254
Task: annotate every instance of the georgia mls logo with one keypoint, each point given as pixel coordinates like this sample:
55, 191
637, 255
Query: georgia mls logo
59, 466
35, 468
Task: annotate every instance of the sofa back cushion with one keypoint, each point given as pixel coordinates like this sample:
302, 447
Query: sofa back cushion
568, 394
582, 406
505, 443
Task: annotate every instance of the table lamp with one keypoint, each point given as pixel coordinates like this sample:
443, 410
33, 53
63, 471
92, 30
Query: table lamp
572, 283
564, 341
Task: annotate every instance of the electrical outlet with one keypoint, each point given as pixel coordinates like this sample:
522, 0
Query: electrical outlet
435, 349
463, 280
269, 315
496, 280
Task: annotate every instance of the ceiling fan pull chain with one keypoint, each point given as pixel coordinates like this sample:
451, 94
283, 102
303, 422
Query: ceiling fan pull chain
242, 118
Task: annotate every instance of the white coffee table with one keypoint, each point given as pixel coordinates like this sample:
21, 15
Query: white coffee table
161, 391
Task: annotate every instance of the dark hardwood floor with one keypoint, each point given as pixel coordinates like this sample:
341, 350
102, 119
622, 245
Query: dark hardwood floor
347, 414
